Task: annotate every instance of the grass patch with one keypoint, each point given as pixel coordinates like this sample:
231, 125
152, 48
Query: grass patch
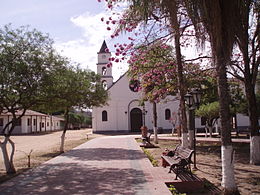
173, 190
154, 162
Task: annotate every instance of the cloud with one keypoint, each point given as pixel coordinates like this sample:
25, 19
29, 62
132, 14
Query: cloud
84, 49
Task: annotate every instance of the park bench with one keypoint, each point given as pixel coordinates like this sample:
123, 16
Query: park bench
179, 161
243, 131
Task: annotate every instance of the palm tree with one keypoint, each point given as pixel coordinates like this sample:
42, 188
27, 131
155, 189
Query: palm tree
218, 18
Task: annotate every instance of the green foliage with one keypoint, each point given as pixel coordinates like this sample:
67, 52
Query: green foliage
174, 191
154, 162
79, 119
243, 106
73, 87
210, 110
26, 59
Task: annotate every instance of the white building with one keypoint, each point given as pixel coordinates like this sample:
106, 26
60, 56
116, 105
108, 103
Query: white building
32, 122
124, 113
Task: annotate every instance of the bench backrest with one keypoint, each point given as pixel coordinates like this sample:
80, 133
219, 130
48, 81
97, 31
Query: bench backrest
184, 153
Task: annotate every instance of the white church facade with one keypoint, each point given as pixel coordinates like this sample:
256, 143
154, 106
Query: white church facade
123, 111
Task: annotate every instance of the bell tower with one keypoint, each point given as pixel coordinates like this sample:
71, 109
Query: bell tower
102, 68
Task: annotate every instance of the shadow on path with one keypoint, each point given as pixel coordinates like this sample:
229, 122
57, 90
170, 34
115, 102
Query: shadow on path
104, 154
72, 178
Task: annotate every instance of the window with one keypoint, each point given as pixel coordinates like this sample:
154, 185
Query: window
104, 83
29, 122
34, 122
167, 114
1, 122
134, 85
42, 124
104, 70
104, 115
47, 124
203, 120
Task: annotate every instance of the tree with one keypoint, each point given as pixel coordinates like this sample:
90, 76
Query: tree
218, 19
246, 60
26, 59
155, 68
73, 87
210, 112
168, 22
209, 108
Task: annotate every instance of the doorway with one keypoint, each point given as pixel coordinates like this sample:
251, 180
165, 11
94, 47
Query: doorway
136, 119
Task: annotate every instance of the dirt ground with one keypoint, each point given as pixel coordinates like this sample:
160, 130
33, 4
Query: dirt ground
209, 164
43, 147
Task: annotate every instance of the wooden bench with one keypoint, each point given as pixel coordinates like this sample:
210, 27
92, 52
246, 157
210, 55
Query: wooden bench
179, 160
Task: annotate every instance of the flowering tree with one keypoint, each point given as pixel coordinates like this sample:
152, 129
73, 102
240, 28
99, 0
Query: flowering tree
155, 68
162, 20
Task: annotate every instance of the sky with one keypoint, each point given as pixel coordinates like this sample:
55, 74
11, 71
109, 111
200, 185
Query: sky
74, 25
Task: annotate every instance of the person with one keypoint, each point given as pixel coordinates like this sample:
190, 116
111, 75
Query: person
144, 131
173, 120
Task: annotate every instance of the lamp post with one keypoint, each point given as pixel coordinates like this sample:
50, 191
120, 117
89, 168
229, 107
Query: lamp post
192, 100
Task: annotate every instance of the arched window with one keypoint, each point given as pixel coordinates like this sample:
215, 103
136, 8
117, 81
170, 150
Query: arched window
167, 114
134, 85
104, 83
104, 70
104, 115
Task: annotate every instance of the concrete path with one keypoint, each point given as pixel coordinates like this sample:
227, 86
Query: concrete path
106, 165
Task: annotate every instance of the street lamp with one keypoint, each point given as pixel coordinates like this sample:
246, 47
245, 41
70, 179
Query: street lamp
192, 100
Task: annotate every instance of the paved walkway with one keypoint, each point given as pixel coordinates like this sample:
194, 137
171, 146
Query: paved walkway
106, 165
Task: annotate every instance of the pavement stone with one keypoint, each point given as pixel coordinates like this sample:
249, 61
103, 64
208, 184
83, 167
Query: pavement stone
105, 165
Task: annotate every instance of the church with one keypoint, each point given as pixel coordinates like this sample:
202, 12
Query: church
123, 111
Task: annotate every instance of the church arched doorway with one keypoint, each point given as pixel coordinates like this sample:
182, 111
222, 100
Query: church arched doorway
136, 119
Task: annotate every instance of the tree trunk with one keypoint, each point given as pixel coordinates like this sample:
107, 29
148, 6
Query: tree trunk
8, 162
254, 126
62, 143
173, 8
255, 150
228, 177
155, 128
210, 128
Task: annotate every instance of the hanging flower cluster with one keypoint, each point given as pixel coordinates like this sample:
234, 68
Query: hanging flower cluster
151, 63
155, 67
